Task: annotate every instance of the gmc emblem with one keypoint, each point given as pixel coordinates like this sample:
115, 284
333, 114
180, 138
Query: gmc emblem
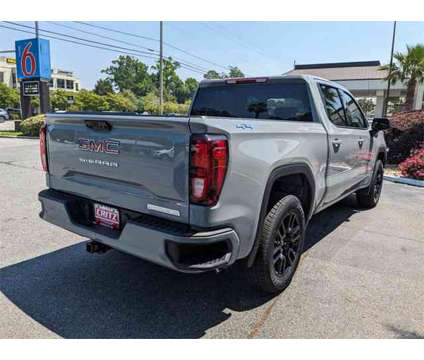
99, 146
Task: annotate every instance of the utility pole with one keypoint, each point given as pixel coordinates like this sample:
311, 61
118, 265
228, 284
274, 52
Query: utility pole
161, 70
43, 85
386, 100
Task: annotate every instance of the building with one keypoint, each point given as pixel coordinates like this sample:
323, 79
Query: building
61, 79
65, 80
364, 79
8, 71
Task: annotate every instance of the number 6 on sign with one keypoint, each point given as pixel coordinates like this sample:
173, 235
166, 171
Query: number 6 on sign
33, 59
28, 58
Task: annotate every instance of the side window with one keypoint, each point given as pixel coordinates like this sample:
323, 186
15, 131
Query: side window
353, 113
333, 105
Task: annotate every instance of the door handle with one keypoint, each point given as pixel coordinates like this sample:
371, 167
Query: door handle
98, 125
336, 144
360, 142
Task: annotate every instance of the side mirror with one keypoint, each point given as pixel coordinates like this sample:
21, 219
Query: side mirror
379, 124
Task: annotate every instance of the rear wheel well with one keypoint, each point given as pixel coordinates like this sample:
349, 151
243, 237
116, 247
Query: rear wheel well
295, 184
293, 179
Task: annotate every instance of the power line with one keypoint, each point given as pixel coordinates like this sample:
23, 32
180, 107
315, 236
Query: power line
116, 31
152, 39
99, 35
234, 37
75, 42
103, 46
188, 66
199, 67
231, 35
78, 38
245, 61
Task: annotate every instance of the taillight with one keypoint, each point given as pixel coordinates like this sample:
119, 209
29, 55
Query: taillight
43, 148
208, 166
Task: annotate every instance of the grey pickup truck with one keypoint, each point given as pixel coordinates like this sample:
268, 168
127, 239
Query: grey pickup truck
237, 180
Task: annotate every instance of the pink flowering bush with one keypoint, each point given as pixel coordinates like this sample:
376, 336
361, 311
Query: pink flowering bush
407, 133
413, 167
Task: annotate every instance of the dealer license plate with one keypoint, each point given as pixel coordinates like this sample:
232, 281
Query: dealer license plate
106, 216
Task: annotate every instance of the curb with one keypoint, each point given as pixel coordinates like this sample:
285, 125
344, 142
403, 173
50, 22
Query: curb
403, 180
18, 137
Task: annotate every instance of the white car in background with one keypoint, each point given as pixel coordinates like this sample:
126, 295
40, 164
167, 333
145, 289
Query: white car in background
4, 115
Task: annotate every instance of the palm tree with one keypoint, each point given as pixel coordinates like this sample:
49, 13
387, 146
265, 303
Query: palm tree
408, 67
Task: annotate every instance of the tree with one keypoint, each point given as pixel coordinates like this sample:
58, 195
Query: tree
235, 72
121, 102
9, 97
59, 99
366, 105
212, 74
191, 85
186, 90
86, 100
35, 104
172, 84
103, 87
128, 73
408, 67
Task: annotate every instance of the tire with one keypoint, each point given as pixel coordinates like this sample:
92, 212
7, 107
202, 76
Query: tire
368, 198
281, 244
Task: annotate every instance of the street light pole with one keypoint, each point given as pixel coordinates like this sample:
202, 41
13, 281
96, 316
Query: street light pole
161, 70
386, 100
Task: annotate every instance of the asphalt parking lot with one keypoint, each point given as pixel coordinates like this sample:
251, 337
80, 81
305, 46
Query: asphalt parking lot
361, 276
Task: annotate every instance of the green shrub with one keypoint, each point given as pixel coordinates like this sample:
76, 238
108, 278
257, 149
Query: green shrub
86, 100
32, 125
151, 105
174, 108
121, 102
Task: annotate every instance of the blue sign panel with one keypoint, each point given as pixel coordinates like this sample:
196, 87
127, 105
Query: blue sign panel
33, 59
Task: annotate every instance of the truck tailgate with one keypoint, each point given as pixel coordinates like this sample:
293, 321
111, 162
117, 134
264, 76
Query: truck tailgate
134, 162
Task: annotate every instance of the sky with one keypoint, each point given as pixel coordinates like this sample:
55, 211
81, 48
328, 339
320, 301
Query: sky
257, 48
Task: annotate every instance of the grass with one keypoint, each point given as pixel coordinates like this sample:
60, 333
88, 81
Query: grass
11, 133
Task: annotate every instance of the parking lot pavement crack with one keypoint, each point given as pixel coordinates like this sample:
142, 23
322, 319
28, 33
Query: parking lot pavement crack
261, 322
13, 163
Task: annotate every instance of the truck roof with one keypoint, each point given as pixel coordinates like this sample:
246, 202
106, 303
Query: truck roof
259, 79
263, 78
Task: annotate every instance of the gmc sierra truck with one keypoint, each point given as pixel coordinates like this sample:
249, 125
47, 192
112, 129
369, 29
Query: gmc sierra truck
237, 180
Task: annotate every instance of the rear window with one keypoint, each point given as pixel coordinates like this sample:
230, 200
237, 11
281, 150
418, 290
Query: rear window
278, 101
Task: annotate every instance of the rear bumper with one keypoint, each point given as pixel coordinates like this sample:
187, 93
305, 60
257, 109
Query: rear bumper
164, 243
